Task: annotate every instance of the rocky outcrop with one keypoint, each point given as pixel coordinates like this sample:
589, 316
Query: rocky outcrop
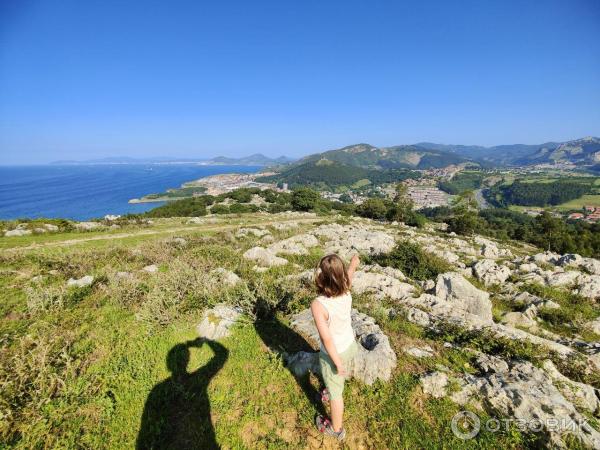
224, 277
454, 289
381, 285
17, 232
375, 359
264, 257
295, 245
88, 226
490, 273
351, 239
519, 390
217, 322
434, 384
81, 282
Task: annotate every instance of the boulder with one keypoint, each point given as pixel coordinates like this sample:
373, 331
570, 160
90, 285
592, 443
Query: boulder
17, 232
589, 286
51, 227
264, 257
243, 232
375, 359
381, 286
87, 226
217, 322
420, 352
490, 273
152, 268
434, 384
81, 282
545, 258
559, 279
455, 289
570, 259
581, 395
224, 277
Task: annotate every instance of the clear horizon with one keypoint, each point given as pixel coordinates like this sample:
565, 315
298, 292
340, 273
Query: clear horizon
89, 80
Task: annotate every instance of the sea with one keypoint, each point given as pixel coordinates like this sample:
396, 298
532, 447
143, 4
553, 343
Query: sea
82, 192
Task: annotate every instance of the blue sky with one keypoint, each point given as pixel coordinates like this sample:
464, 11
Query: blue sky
86, 79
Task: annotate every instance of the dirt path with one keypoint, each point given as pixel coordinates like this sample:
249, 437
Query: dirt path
199, 227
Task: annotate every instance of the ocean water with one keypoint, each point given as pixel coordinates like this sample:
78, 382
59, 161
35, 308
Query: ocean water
90, 191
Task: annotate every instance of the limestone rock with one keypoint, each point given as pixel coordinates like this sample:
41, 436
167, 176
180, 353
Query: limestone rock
490, 273
152, 268
454, 288
217, 322
420, 352
264, 257
51, 227
87, 226
381, 285
520, 390
17, 232
224, 277
81, 282
580, 394
435, 384
375, 358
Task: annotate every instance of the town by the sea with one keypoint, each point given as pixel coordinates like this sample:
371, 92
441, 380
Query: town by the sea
82, 192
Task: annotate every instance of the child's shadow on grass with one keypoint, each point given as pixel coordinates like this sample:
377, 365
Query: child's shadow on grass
282, 339
177, 411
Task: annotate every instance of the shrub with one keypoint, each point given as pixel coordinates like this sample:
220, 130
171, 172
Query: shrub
219, 209
373, 208
304, 199
412, 261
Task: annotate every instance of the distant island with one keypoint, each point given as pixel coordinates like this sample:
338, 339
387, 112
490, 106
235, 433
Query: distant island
256, 159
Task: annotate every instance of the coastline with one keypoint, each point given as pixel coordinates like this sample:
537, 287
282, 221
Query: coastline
210, 185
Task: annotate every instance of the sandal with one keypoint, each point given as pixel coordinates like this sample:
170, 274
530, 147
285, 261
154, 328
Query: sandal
324, 426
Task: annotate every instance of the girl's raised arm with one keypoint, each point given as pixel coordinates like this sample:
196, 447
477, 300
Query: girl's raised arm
354, 262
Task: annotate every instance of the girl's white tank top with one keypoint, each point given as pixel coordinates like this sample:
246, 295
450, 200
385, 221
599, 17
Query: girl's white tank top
339, 310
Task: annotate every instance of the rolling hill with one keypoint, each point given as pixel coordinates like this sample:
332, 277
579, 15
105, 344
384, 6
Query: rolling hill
396, 157
329, 175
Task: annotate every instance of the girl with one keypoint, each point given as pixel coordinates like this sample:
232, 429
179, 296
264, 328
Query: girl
331, 312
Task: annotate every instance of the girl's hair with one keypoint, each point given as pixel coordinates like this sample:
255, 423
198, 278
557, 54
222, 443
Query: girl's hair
331, 276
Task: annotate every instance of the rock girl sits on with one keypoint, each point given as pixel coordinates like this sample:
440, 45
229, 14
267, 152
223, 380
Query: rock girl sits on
331, 311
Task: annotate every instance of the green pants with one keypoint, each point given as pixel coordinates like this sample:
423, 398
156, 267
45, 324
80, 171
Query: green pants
333, 381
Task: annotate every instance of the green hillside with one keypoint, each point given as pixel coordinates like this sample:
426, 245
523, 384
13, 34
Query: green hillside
401, 156
325, 174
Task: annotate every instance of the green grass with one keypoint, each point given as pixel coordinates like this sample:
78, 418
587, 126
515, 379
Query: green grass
96, 370
579, 203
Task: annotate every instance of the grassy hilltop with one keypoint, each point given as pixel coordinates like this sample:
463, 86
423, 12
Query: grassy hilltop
79, 363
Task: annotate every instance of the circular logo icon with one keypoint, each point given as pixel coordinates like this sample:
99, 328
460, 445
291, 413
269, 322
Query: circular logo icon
465, 425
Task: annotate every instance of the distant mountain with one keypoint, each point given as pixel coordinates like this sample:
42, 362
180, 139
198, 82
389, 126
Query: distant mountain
581, 152
258, 159
397, 157
252, 160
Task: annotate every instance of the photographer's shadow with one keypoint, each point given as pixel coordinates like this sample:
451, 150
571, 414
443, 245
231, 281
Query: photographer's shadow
177, 412
281, 339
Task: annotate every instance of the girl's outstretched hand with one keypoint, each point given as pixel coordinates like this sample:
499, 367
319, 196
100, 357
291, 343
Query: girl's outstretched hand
354, 261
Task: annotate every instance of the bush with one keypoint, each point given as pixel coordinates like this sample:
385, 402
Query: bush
412, 261
238, 208
304, 199
219, 209
464, 223
372, 208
